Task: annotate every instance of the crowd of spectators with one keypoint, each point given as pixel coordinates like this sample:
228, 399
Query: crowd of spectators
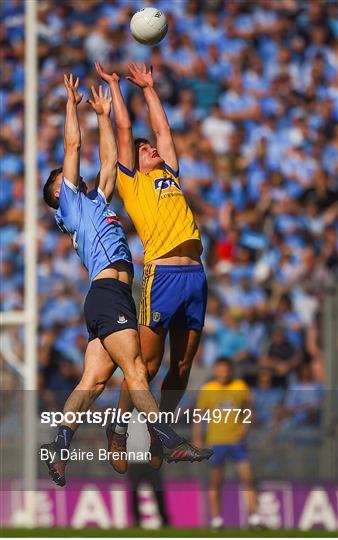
251, 92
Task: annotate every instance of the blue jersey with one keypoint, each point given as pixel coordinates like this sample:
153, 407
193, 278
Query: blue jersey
98, 237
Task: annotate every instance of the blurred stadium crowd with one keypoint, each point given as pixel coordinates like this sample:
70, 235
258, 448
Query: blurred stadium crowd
251, 92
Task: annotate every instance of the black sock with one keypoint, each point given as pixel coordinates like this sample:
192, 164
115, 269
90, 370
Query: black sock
167, 435
64, 436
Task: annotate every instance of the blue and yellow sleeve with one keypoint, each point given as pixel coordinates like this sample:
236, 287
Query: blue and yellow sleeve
174, 173
125, 178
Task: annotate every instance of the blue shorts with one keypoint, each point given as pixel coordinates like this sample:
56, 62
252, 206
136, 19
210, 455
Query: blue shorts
236, 452
109, 308
173, 296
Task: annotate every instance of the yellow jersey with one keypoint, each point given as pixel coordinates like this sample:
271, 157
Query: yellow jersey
158, 208
214, 396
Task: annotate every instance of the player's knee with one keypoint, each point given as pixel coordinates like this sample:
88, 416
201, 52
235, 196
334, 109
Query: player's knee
136, 372
215, 483
181, 373
140, 369
92, 384
152, 368
184, 371
247, 482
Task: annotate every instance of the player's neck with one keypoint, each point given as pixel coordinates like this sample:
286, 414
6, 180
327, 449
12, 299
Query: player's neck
225, 383
148, 170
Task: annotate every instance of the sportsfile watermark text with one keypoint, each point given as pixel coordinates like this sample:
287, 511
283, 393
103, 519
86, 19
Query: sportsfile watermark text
113, 415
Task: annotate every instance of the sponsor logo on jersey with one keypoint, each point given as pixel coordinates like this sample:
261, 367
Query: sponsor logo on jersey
166, 183
111, 217
122, 319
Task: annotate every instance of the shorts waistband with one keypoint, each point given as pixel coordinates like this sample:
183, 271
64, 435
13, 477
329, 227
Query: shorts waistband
110, 282
168, 268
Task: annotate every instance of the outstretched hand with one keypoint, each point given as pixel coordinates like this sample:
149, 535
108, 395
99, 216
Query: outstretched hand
101, 103
141, 76
106, 76
72, 89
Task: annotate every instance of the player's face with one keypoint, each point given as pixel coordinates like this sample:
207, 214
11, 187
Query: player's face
149, 158
222, 372
57, 186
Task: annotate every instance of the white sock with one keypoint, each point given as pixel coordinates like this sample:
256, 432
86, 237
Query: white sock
121, 429
216, 522
254, 519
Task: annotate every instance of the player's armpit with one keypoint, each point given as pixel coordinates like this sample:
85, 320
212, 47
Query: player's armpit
107, 178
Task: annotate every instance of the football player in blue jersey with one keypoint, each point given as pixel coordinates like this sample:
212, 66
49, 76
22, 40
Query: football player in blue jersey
110, 313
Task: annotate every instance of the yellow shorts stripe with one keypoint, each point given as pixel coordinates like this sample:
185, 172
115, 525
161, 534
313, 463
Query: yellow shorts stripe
140, 314
145, 305
143, 297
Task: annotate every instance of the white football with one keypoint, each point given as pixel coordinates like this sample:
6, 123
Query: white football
149, 26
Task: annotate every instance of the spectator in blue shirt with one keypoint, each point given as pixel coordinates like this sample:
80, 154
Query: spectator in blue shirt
303, 400
267, 399
230, 340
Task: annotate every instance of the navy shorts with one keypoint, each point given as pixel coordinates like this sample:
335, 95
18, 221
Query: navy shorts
236, 452
109, 308
173, 296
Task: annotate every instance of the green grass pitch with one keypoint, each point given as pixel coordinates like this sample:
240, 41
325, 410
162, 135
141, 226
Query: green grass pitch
162, 533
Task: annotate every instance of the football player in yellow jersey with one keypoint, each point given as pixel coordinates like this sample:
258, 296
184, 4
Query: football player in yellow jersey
225, 434
174, 290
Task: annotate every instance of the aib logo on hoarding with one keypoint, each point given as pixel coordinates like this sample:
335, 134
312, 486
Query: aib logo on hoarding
166, 183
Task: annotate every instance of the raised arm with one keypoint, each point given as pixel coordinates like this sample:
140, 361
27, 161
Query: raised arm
158, 118
125, 142
72, 134
101, 103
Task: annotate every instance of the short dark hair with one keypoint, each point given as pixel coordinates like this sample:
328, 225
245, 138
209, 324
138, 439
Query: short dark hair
48, 195
138, 142
223, 360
